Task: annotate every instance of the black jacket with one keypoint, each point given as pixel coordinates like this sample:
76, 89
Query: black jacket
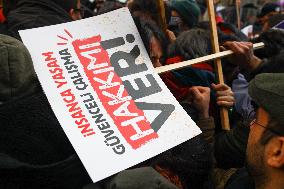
230, 147
34, 150
3, 29
34, 13
240, 179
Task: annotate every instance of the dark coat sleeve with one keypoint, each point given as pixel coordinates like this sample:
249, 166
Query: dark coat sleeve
230, 147
208, 129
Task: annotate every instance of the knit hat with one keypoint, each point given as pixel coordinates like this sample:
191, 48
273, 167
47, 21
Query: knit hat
188, 10
268, 8
267, 90
17, 75
202, 5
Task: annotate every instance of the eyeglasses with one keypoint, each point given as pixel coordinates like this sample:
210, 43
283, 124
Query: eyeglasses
81, 10
267, 128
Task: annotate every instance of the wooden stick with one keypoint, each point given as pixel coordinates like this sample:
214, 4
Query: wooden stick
207, 58
162, 15
218, 65
238, 3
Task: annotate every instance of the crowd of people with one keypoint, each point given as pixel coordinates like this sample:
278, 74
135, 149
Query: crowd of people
35, 152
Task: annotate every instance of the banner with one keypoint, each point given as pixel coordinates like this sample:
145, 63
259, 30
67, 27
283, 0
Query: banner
101, 84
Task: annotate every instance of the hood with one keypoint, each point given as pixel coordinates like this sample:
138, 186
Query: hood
29, 14
17, 75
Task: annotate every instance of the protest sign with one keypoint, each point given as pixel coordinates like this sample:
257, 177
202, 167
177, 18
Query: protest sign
248, 31
100, 82
279, 26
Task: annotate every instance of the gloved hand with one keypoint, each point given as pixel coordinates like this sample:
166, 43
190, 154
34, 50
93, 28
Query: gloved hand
140, 178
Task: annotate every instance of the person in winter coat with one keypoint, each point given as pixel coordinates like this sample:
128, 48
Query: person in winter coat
27, 14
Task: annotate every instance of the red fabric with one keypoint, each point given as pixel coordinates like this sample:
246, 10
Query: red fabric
180, 92
170, 176
201, 66
2, 18
226, 30
174, 60
219, 19
173, 85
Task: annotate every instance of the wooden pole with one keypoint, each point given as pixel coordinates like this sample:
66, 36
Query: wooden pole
162, 15
218, 65
207, 58
238, 10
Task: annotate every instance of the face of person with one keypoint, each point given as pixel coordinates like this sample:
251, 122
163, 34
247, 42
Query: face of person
265, 18
176, 22
99, 4
156, 52
265, 152
255, 150
265, 27
128, 3
175, 19
76, 12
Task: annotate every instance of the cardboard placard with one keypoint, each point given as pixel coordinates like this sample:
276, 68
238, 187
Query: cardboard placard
101, 84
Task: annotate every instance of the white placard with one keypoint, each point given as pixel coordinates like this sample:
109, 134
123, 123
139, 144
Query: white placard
248, 30
100, 82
